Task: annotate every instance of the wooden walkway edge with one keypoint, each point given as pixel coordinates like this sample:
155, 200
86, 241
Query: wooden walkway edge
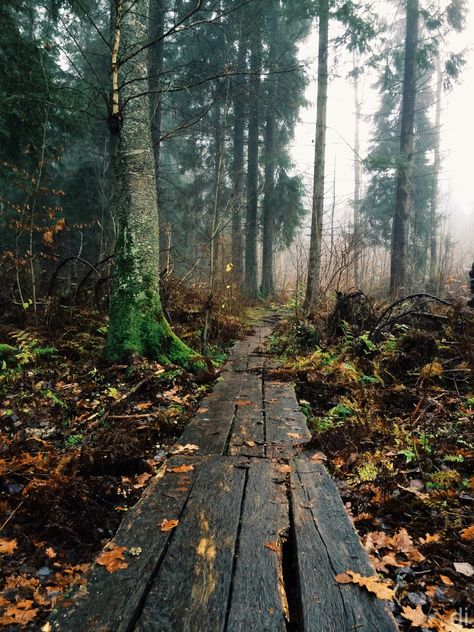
261, 530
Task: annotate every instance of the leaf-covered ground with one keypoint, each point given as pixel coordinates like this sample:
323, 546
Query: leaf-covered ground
392, 410
79, 441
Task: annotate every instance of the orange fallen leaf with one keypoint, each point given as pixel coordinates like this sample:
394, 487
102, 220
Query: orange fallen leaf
428, 539
273, 546
142, 480
250, 444
446, 580
285, 469
363, 516
179, 469
294, 435
243, 402
112, 558
21, 613
373, 584
7, 546
318, 457
417, 617
202, 409
468, 534
168, 525
144, 405
51, 553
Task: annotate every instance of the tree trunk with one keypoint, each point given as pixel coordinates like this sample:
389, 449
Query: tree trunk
157, 19
357, 174
433, 280
238, 170
314, 264
398, 268
137, 324
267, 287
252, 166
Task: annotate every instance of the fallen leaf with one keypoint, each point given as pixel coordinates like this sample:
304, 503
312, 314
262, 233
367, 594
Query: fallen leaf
428, 539
285, 469
243, 402
168, 525
202, 409
144, 405
446, 580
142, 480
7, 546
21, 613
464, 568
135, 551
468, 534
417, 617
318, 457
273, 546
179, 469
182, 449
250, 444
294, 435
373, 584
46, 627
112, 558
363, 516
51, 553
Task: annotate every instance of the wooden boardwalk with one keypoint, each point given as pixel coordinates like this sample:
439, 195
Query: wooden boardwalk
262, 531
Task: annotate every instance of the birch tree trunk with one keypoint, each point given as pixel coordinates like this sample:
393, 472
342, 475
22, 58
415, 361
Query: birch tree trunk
398, 267
314, 263
137, 324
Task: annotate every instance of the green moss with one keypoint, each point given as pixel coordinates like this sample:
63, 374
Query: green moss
138, 327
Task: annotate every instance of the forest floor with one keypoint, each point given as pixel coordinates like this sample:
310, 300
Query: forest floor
393, 415
391, 411
79, 442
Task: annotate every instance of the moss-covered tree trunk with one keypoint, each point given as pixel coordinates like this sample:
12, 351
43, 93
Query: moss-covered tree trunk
137, 324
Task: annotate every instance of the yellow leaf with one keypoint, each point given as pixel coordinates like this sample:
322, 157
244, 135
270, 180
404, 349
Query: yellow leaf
417, 617
373, 584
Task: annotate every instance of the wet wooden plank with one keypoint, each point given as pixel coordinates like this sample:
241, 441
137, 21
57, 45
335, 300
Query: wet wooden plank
210, 427
190, 592
248, 430
257, 601
327, 544
285, 423
110, 601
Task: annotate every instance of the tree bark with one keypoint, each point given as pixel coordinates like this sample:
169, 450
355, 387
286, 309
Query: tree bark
250, 281
314, 264
157, 18
433, 281
238, 169
137, 324
357, 174
267, 287
398, 268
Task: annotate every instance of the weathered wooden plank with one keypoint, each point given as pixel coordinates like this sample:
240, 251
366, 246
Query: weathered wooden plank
191, 589
285, 423
110, 602
210, 427
327, 544
248, 430
257, 601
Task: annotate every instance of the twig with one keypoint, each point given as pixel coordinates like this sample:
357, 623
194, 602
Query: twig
11, 515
